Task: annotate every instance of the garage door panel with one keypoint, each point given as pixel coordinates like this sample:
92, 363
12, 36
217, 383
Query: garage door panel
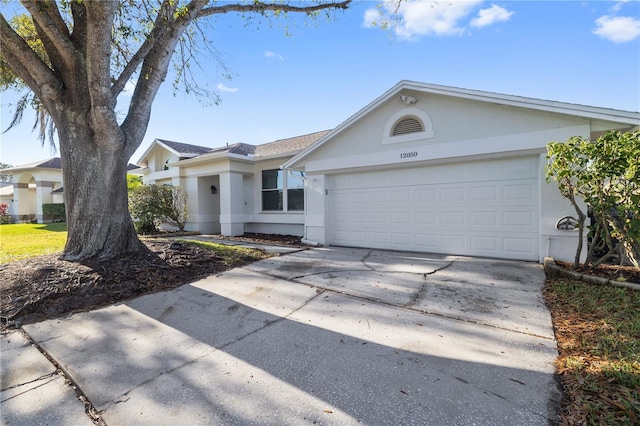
379, 218
380, 238
400, 195
401, 218
485, 243
518, 192
427, 242
518, 245
519, 219
453, 194
497, 218
401, 240
379, 197
426, 218
481, 194
453, 218
422, 195
488, 218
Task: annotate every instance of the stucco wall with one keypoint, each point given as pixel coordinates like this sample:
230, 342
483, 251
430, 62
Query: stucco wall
460, 127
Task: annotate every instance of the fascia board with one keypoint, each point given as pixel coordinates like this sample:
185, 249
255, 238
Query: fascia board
606, 114
586, 111
153, 145
355, 117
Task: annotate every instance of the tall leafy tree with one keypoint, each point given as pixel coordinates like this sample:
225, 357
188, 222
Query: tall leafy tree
5, 177
76, 57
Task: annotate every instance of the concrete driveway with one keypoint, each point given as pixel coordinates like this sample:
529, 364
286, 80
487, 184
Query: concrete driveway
322, 336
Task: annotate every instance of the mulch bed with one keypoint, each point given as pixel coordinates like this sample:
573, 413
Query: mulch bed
46, 287
612, 272
289, 240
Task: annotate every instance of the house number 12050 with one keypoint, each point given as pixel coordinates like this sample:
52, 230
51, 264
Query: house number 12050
408, 154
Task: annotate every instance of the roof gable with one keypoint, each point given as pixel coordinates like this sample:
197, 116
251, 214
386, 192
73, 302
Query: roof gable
51, 163
181, 150
597, 114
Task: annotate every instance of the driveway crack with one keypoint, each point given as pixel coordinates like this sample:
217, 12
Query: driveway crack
421, 293
364, 261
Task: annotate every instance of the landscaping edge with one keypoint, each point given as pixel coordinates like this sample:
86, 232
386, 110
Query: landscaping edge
552, 270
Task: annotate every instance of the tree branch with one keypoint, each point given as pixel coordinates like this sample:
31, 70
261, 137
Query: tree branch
264, 7
100, 16
154, 67
53, 31
29, 67
79, 33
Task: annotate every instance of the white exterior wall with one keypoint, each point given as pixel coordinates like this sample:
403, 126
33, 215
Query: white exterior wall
558, 244
315, 209
284, 223
463, 130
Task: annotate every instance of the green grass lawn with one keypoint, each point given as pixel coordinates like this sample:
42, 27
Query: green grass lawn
19, 241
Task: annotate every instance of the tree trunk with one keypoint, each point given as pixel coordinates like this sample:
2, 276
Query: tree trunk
95, 193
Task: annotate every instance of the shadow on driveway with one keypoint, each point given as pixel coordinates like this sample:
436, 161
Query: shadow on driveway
247, 348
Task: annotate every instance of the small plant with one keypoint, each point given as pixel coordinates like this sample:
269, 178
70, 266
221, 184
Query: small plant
4, 213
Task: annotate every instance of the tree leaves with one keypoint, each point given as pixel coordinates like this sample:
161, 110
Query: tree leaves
606, 174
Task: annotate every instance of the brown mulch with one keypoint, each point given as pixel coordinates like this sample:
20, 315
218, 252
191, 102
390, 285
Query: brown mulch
288, 240
590, 397
46, 287
612, 272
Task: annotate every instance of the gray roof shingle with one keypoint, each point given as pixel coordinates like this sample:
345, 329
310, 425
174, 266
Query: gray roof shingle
279, 147
185, 148
289, 145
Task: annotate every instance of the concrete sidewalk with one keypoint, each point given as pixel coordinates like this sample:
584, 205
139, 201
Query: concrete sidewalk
33, 392
328, 336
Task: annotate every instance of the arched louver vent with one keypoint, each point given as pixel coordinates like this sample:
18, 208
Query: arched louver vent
407, 125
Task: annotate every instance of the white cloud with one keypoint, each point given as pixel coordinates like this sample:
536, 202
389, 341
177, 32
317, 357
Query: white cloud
618, 29
414, 19
616, 7
268, 54
221, 87
491, 16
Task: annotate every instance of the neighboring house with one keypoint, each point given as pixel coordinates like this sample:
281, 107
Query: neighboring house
33, 185
422, 168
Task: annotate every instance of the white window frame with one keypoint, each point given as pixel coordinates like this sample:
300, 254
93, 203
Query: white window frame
285, 191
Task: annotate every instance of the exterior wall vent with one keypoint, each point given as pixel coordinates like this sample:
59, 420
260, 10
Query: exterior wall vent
407, 125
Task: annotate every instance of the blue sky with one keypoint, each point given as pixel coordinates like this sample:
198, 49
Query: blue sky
584, 52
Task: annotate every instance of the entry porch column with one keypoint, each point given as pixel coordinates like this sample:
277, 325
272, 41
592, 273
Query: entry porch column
231, 204
44, 195
21, 202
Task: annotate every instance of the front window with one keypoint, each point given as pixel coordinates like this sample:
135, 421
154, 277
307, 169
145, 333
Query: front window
280, 190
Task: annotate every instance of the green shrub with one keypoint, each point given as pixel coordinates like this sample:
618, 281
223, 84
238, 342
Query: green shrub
56, 212
152, 205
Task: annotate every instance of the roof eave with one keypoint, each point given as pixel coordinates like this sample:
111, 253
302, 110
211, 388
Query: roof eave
594, 113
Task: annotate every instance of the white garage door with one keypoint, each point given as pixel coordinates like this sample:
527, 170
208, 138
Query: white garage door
483, 208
